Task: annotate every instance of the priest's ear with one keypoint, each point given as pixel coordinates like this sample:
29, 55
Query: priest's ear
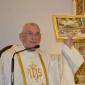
22, 37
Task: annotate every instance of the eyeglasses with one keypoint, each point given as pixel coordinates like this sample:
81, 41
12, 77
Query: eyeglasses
32, 34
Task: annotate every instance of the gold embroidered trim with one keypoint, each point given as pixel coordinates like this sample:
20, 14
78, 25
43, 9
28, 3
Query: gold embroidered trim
44, 69
22, 69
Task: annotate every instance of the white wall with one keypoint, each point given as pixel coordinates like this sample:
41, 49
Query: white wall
14, 13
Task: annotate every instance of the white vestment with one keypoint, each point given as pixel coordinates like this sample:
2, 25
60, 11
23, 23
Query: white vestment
58, 69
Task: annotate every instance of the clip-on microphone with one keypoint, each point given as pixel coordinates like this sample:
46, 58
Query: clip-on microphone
12, 63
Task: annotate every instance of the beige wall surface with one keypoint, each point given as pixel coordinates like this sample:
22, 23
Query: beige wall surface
14, 13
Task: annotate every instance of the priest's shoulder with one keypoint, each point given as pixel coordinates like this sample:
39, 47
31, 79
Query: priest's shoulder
5, 49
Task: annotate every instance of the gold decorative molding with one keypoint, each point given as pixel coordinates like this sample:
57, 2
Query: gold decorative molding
79, 7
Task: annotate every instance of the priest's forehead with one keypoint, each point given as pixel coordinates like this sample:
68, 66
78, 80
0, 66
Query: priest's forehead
28, 26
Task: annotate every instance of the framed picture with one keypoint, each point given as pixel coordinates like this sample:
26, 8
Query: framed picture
79, 7
64, 24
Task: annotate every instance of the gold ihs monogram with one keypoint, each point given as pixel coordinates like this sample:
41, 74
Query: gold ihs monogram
34, 72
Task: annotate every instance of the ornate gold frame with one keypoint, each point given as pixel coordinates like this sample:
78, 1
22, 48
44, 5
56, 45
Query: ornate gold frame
58, 26
79, 7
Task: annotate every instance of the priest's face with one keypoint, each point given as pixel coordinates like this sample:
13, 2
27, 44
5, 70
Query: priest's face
30, 35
